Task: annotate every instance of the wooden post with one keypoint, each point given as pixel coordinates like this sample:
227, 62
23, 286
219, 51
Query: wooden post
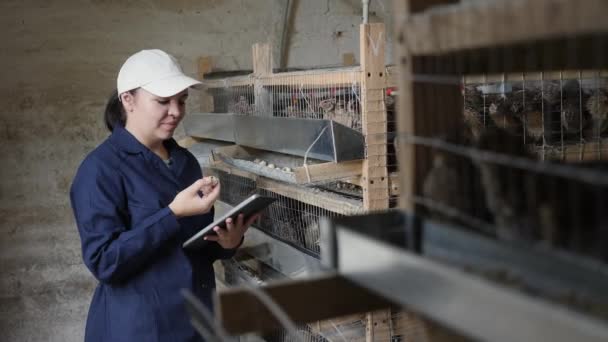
262, 59
374, 180
262, 66
424, 109
378, 328
205, 66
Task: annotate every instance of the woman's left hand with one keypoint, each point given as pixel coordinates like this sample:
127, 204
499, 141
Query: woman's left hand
231, 237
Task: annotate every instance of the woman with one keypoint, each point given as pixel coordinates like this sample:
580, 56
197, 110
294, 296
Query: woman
136, 199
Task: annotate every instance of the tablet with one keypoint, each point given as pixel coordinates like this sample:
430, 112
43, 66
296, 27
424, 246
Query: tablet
252, 205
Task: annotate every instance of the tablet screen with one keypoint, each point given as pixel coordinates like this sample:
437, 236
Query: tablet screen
250, 206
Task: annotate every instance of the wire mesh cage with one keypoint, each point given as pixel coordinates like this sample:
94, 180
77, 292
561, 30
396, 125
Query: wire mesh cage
228, 98
293, 221
235, 189
517, 155
560, 114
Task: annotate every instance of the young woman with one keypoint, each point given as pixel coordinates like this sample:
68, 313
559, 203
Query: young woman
136, 198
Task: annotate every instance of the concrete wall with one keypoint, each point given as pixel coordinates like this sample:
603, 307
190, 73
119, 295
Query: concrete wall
59, 62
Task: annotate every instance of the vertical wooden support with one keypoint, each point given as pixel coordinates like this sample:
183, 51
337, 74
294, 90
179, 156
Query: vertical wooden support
426, 109
378, 326
348, 59
205, 66
374, 179
262, 66
262, 59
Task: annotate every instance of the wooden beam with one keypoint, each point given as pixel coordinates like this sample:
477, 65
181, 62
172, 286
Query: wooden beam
374, 179
234, 81
477, 24
326, 297
552, 54
205, 66
188, 141
316, 78
535, 76
348, 59
378, 326
328, 171
419, 110
262, 59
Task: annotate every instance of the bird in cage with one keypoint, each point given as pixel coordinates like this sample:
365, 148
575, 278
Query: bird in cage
312, 233
242, 106
473, 124
571, 107
502, 116
502, 186
572, 117
473, 117
354, 118
327, 106
532, 117
551, 91
445, 188
597, 106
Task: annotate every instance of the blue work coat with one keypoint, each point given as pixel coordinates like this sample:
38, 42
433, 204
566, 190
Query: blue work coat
131, 241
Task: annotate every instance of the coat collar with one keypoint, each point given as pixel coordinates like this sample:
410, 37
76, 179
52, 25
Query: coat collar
125, 141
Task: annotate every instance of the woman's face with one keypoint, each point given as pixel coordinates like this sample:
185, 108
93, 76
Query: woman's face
152, 117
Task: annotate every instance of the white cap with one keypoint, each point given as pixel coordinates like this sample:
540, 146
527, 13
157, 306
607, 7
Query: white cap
155, 71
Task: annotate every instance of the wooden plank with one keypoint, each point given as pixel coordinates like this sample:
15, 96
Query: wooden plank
348, 59
188, 141
262, 59
500, 23
235, 81
372, 42
535, 76
391, 80
240, 312
378, 326
341, 328
328, 171
314, 78
205, 66
418, 111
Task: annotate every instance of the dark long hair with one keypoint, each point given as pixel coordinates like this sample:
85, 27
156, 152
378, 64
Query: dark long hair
115, 113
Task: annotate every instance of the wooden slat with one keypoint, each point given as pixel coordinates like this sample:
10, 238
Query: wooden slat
391, 76
498, 23
240, 312
348, 59
229, 82
419, 112
314, 78
188, 141
328, 171
378, 326
262, 59
535, 76
374, 179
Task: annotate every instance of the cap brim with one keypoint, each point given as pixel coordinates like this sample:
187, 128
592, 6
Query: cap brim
172, 85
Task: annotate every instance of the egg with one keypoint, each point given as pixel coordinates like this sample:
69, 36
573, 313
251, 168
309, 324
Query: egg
271, 166
262, 163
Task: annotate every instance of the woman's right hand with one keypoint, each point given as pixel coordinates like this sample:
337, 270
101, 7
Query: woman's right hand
188, 202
